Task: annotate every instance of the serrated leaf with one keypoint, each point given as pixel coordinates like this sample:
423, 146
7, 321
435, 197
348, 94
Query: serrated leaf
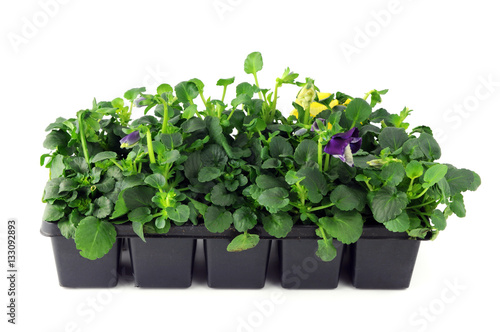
278, 224
103, 207
53, 212
387, 203
217, 219
307, 150
244, 219
326, 250
457, 205
208, 174
438, 220
94, 238
220, 196
186, 91
179, 214
274, 199
243, 242
141, 215
66, 228
392, 137
358, 111
429, 146
399, 224
392, 174
459, 180
348, 198
280, 147
345, 226
103, 156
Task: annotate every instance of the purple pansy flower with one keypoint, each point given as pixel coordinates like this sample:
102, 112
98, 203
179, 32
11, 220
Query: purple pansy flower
343, 145
130, 140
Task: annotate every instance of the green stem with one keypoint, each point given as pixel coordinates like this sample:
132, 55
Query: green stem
327, 162
421, 194
258, 86
231, 114
321, 207
306, 114
420, 205
320, 154
164, 127
83, 140
116, 163
224, 93
150, 147
203, 99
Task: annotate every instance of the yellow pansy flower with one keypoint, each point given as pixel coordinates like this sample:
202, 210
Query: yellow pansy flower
317, 108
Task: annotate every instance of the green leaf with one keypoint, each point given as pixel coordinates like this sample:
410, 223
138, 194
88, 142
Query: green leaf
164, 88
193, 125
429, 146
253, 63
171, 156
57, 166
103, 156
345, 226
103, 207
392, 137
155, 180
133, 93
56, 139
225, 81
315, 183
278, 224
53, 212
79, 165
387, 203
244, 219
271, 163
438, 220
209, 173
392, 174
67, 228
460, 180
67, 185
457, 205
200, 207
139, 196
162, 225
274, 199
141, 215
280, 147
292, 178
434, 174
358, 111
265, 181
399, 224
326, 250
217, 219
414, 169
138, 228
348, 198
186, 92
213, 155
94, 238
307, 150
179, 214
243, 242
171, 141
220, 196
476, 183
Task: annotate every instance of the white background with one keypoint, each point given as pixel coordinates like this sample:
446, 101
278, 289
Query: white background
435, 57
